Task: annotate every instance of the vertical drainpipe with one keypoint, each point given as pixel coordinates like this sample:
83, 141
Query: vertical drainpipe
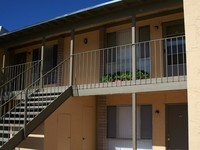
71, 58
42, 61
134, 121
4, 60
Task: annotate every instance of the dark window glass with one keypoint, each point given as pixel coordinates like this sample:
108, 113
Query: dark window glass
111, 121
144, 37
146, 122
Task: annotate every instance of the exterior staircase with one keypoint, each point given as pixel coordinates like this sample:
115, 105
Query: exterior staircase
28, 108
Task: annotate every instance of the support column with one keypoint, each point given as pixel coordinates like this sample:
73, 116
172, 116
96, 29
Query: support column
71, 58
134, 122
133, 49
4, 60
42, 61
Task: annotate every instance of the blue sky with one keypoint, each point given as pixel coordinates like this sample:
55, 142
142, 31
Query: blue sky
16, 14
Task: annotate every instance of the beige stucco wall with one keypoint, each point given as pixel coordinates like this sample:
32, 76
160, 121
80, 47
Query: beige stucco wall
158, 100
192, 28
76, 107
86, 67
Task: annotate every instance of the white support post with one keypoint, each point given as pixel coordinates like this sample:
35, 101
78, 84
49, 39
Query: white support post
71, 58
134, 121
42, 61
4, 60
133, 49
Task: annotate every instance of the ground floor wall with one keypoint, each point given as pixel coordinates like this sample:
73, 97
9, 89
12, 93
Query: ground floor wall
158, 101
72, 126
76, 124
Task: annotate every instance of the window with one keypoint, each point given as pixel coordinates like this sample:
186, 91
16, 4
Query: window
117, 57
144, 122
119, 122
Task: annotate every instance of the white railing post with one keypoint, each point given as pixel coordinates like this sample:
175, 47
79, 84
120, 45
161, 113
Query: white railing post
42, 61
134, 121
71, 58
133, 50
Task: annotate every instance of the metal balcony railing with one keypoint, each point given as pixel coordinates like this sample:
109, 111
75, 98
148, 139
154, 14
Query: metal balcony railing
15, 70
148, 62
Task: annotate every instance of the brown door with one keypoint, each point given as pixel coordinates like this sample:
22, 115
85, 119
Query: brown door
88, 139
19, 81
20, 58
64, 132
177, 127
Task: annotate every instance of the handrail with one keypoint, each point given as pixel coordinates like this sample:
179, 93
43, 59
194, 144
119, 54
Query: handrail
22, 102
31, 62
35, 63
35, 82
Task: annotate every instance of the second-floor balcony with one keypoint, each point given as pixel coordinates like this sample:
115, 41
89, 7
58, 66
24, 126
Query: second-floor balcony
143, 63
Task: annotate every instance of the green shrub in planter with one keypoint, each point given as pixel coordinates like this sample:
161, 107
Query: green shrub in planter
116, 76
107, 78
141, 74
129, 75
126, 76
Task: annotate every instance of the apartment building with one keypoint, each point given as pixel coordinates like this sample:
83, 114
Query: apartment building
116, 76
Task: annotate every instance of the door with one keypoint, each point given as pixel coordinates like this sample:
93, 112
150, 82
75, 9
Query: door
64, 132
36, 55
89, 131
19, 82
177, 127
50, 61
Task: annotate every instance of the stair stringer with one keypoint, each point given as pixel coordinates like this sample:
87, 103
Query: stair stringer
33, 124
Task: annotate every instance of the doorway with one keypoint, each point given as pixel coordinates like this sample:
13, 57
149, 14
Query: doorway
88, 138
177, 127
64, 132
18, 82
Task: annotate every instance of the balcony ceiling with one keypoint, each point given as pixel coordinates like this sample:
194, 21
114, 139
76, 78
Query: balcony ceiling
92, 15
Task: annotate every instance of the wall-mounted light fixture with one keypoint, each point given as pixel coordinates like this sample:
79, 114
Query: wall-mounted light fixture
157, 27
157, 111
85, 40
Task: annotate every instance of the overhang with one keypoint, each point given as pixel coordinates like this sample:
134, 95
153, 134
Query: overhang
86, 17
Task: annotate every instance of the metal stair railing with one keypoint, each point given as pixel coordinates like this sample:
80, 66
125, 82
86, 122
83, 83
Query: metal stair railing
20, 81
13, 70
30, 102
